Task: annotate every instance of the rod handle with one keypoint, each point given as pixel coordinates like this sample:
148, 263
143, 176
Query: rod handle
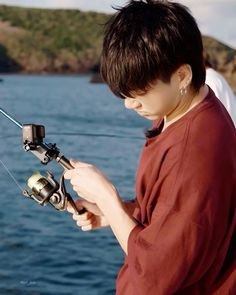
67, 165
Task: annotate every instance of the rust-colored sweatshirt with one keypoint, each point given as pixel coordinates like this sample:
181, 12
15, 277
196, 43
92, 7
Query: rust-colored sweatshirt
185, 243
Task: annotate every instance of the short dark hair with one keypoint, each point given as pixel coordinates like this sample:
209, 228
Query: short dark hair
149, 40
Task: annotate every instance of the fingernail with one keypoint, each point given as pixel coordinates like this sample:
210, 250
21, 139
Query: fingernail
71, 210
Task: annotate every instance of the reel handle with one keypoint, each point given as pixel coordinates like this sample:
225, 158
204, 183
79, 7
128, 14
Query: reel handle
67, 165
72, 203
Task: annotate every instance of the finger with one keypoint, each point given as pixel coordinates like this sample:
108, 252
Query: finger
83, 223
75, 188
90, 226
78, 164
75, 181
79, 192
83, 194
70, 209
80, 203
78, 170
72, 162
87, 205
69, 174
82, 217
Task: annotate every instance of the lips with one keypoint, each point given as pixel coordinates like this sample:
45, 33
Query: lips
142, 113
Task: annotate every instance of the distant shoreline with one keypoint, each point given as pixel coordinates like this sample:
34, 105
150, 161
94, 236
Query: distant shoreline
69, 43
94, 77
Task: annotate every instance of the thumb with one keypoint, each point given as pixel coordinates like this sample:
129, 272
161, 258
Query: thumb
73, 162
69, 173
79, 164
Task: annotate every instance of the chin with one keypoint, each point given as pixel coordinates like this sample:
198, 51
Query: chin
152, 117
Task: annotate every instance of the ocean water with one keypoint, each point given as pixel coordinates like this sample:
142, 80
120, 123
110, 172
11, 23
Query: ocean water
42, 251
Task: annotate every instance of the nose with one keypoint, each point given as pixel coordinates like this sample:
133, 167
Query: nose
131, 103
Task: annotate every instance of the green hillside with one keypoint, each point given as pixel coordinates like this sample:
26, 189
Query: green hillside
51, 40
69, 41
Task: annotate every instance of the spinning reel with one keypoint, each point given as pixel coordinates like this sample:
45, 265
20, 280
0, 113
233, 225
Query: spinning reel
45, 189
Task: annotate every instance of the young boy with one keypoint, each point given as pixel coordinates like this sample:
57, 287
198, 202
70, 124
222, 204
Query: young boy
179, 235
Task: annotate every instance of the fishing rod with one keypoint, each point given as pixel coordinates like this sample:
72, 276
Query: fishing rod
44, 189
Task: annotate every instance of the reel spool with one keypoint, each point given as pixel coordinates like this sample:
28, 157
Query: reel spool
42, 187
45, 189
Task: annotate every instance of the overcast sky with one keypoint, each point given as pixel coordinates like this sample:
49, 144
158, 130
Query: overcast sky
216, 18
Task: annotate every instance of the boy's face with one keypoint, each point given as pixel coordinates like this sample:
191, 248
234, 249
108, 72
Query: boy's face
157, 102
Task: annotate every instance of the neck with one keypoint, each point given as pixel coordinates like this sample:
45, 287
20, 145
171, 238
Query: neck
185, 105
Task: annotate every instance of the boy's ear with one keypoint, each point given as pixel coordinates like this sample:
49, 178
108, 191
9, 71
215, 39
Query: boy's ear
185, 76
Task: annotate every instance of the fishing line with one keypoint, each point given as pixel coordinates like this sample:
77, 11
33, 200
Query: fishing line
95, 135
82, 134
12, 176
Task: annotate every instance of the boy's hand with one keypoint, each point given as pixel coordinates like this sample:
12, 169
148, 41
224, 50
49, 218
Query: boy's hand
92, 219
90, 183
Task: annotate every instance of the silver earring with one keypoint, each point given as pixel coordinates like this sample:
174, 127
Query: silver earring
183, 91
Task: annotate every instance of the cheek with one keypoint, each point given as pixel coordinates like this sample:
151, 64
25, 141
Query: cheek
169, 97
166, 99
